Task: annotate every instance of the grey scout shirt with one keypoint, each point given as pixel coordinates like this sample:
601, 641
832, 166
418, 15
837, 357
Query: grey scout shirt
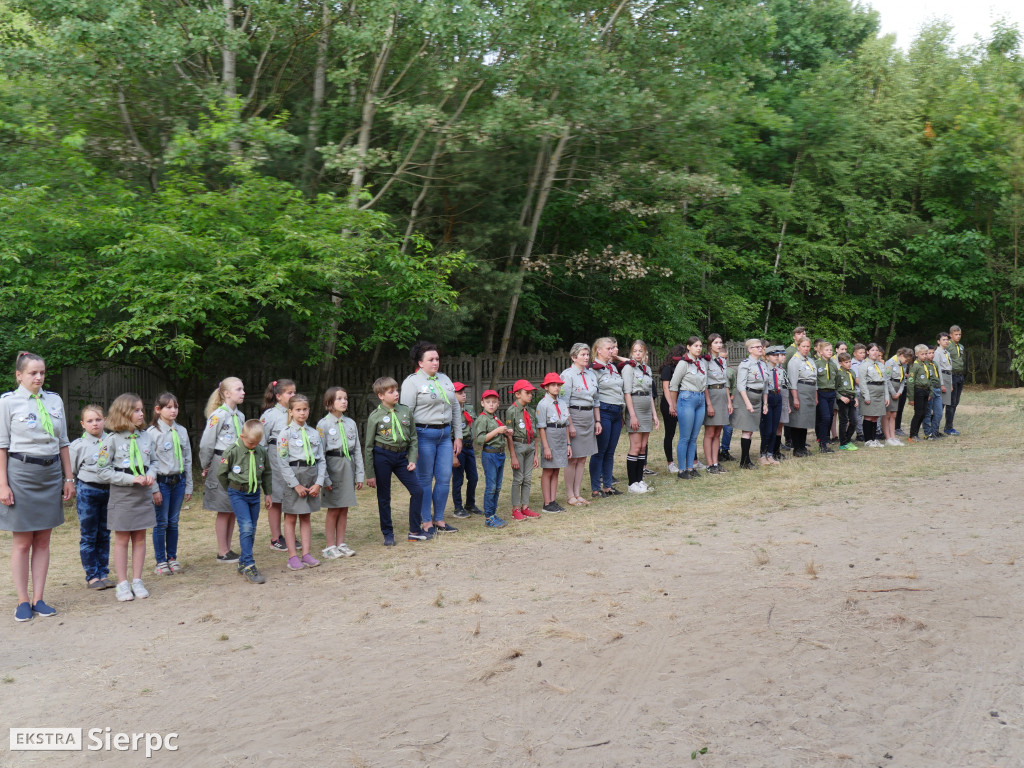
609, 383
432, 400
21, 429
167, 462
547, 413
273, 420
801, 371
752, 374
223, 429
290, 447
116, 457
338, 435
895, 377
637, 379
872, 374
85, 456
580, 387
689, 376
717, 371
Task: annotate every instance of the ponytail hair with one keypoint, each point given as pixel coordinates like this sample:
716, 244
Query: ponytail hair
217, 396
162, 401
274, 389
24, 358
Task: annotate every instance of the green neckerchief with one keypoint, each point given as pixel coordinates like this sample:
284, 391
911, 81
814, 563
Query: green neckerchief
238, 426
44, 417
344, 439
437, 390
306, 449
828, 367
397, 424
135, 454
177, 449
254, 483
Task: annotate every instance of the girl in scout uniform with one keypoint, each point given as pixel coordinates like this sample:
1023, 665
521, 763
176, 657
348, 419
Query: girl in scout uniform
524, 457
580, 392
605, 359
689, 381
275, 416
173, 459
223, 426
35, 474
895, 382
874, 396
127, 463
637, 382
345, 473
552, 422
91, 497
751, 375
803, 378
717, 401
667, 402
776, 388
304, 471
827, 372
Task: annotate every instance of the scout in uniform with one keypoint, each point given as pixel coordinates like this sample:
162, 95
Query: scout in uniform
689, 380
642, 418
957, 362
91, 497
580, 393
919, 390
752, 407
304, 472
803, 380
777, 391
606, 365
275, 416
345, 473
35, 474
933, 421
223, 426
724, 453
896, 382
390, 449
552, 423
718, 406
465, 460
492, 437
244, 468
945, 366
799, 333
827, 373
524, 448
173, 459
874, 394
846, 402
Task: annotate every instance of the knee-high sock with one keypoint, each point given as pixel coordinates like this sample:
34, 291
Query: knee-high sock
744, 450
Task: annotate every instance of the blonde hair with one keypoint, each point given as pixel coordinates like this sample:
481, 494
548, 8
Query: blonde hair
253, 430
604, 341
217, 397
920, 348
384, 384
751, 342
296, 399
92, 408
119, 419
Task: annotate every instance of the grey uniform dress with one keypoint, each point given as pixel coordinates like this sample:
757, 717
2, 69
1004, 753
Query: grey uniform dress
223, 429
164, 456
803, 377
872, 387
274, 420
344, 457
553, 418
296, 468
895, 382
751, 376
636, 382
37, 485
718, 392
945, 366
579, 395
131, 506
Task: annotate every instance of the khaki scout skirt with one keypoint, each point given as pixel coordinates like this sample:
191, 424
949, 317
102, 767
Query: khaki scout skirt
877, 405
585, 442
806, 415
558, 442
643, 407
37, 497
720, 402
341, 475
131, 508
215, 498
742, 419
292, 503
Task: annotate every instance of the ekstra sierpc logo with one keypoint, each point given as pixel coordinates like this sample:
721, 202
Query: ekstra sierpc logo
95, 740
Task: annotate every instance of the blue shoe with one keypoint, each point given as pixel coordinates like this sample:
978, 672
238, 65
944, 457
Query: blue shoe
43, 609
24, 612
494, 522
418, 535
951, 431
389, 540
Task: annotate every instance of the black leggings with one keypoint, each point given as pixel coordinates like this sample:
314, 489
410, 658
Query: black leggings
669, 421
847, 424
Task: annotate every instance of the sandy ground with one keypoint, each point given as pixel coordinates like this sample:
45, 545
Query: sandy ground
868, 630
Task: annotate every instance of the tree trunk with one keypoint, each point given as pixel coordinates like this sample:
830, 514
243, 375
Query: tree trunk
782, 237
309, 174
993, 374
228, 68
369, 113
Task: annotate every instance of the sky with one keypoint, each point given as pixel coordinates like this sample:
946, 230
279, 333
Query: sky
969, 17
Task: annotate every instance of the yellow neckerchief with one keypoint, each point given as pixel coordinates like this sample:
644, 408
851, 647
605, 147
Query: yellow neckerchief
895, 361
956, 346
135, 454
878, 370
850, 374
396, 424
254, 483
344, 436
44, 417
828, 376
933, 365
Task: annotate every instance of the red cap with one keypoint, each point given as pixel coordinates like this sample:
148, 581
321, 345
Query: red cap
552, 378
522, 384
489, 393
458, 386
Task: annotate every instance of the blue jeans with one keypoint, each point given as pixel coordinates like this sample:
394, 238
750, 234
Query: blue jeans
467, 470
601, 463
690, 414
494, 469
94, 545
826, 407
770, 422
933, 418
246, 507
434, 470
165, 532
726, 437
385, 464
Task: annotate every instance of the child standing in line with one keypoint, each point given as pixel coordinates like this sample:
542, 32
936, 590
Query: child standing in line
275, 416
243, 468
91, 499
223, 426
524, 448
827, 372
465, 462
340, 437
173, 459
895, 381
126, 463
390, 449
919, 390
846, 402
304, 471
493, 437
552, 420
933, 420
858, 353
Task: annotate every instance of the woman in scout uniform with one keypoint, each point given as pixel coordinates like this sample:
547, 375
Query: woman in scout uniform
580, 393
552, 421
305, 471
957, 365
35, 474
827, 372
689, 381
874, 396
275, 416
751, 375
776, 389
605, 358
431, 398
223, 426
242, 470
896, 382
173, 459
803, 382
637, 384
127, 463
523, 420
668, 404
91, 497
718, 406
345, 474
465, 461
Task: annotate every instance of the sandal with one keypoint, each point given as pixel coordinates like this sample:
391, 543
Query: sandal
163, 569
175, 566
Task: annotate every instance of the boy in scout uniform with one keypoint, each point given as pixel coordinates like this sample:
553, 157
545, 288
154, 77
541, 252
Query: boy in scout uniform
933, 420
957, 362
846, 402
245, 468
919, 390
465, 468
390, 448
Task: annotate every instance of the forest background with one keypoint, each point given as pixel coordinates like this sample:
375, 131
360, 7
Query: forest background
188, 185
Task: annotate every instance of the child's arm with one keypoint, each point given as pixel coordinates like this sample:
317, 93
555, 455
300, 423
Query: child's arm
267, 478
321, 470
357, 458
186, 460
414, 445
224, 466
370, 436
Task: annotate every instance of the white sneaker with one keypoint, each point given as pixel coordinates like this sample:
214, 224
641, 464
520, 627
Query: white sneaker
873, 444
124, 592
893, 441
331, 553
698, 465
673, 468
643, 485
635, 488
139, 589
345, 550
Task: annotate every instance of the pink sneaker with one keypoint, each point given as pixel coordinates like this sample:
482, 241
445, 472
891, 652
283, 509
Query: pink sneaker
295, 564
310, 561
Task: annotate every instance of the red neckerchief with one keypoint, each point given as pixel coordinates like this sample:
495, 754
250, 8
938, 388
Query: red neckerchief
695, 362
529, 426
468, 418
719, 361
